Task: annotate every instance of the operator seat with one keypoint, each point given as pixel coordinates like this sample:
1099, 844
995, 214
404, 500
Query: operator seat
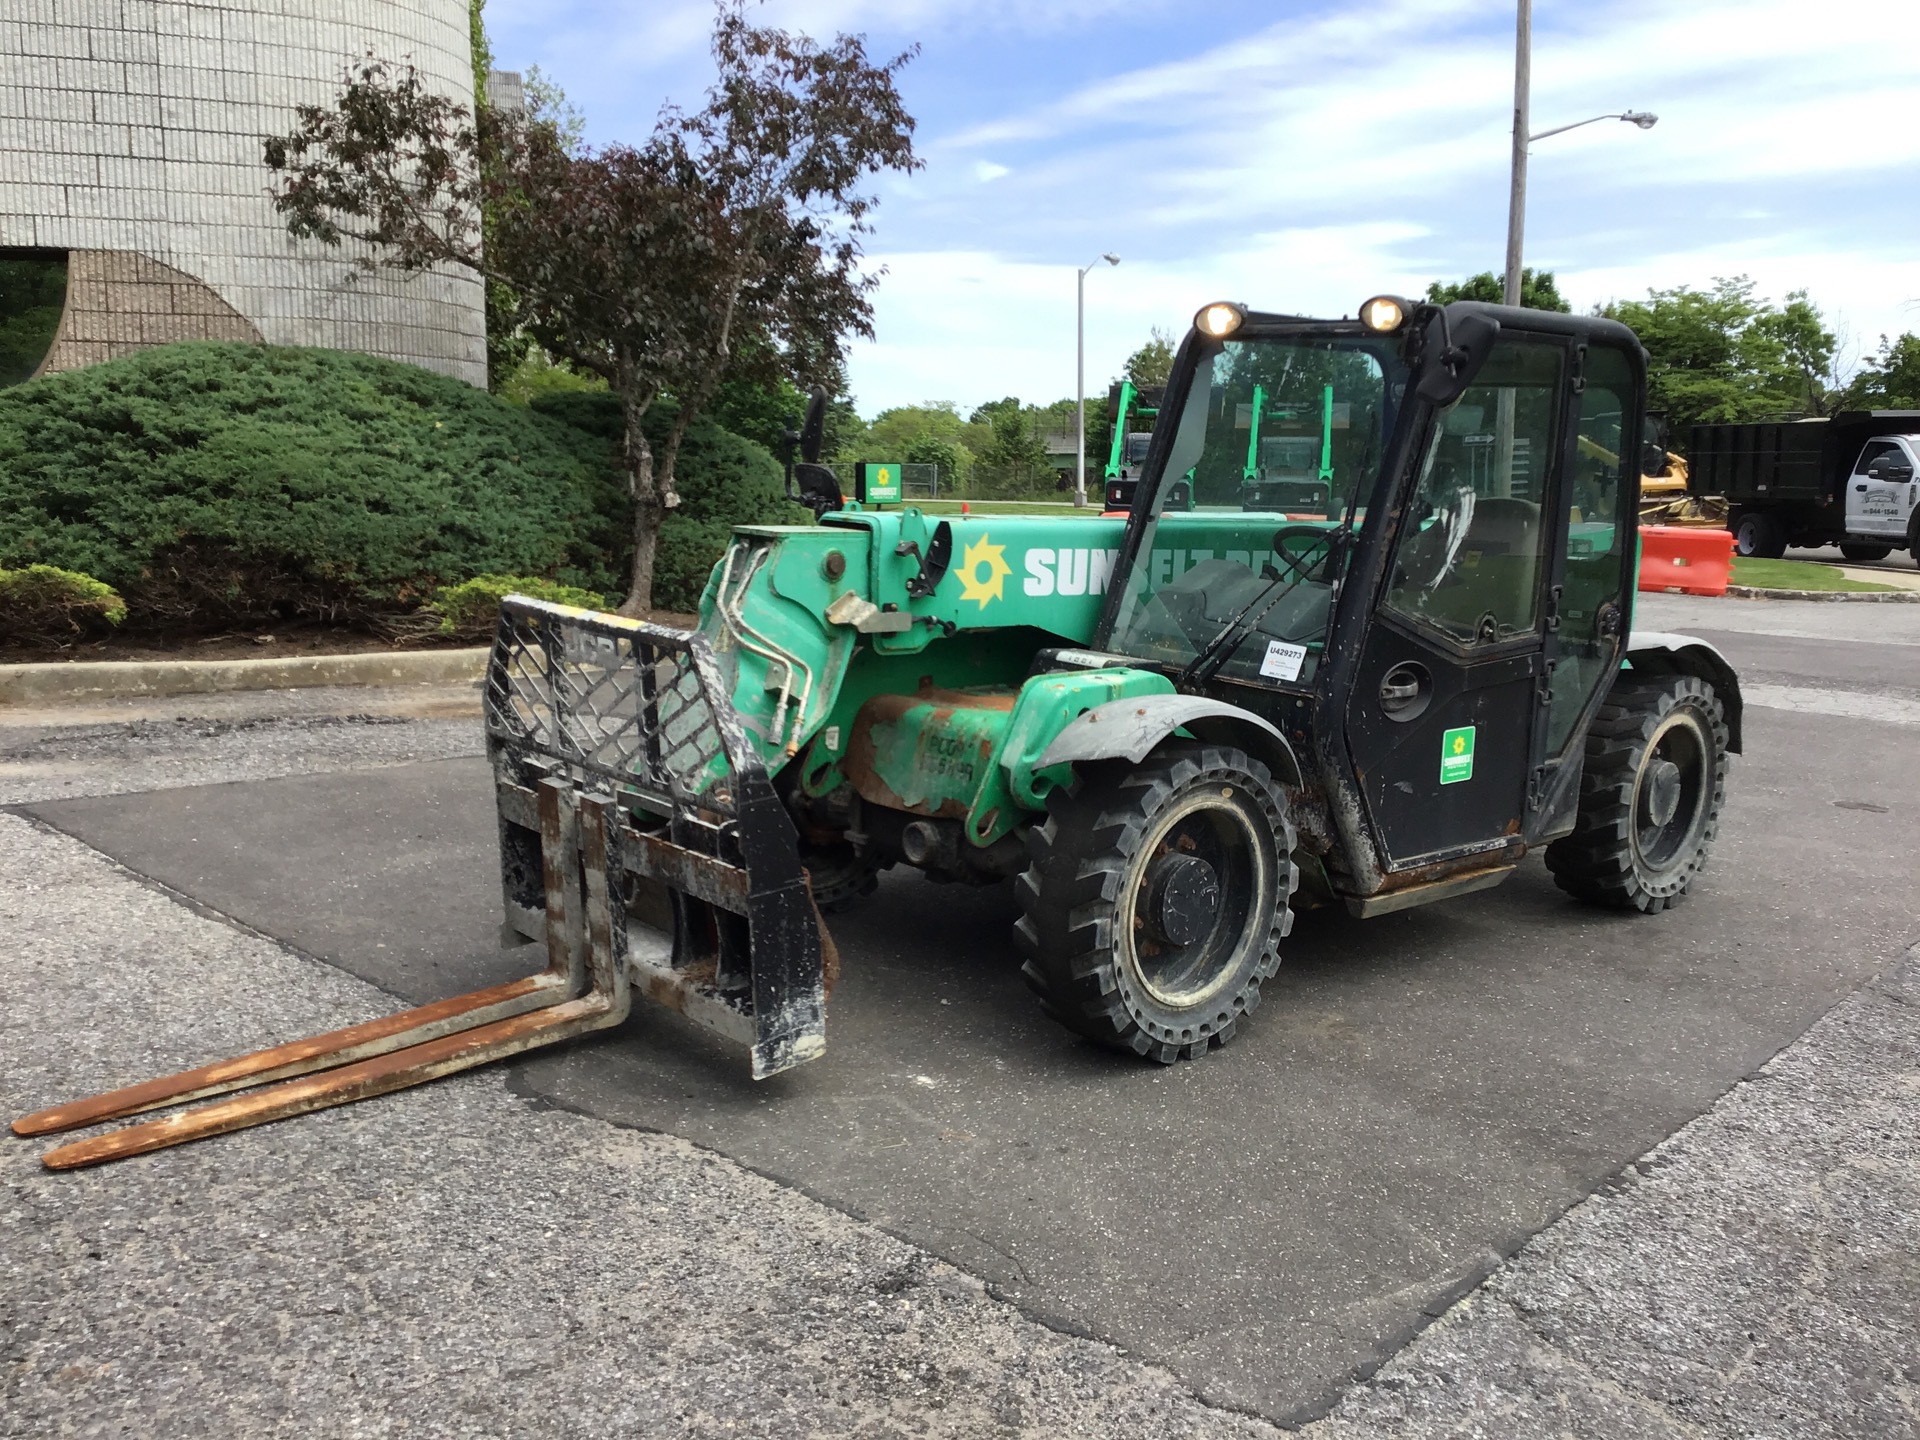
1496, 572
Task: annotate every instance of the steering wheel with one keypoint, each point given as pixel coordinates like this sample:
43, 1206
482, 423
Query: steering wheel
1297, 559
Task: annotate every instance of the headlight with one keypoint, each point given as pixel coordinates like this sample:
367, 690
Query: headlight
1220, 319
1384, 314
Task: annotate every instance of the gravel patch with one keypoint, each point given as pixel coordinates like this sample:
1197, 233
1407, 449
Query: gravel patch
454, 1260
1755, 1277
109, 749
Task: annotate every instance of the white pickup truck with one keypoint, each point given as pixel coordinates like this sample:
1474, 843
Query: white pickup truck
1851, 479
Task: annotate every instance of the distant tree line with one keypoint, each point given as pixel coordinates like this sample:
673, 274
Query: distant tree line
1725, 354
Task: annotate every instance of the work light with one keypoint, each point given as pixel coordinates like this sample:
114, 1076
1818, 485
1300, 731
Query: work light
1220, 319
1384, 314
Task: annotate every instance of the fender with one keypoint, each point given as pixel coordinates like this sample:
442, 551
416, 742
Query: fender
1657, 652
1129, 729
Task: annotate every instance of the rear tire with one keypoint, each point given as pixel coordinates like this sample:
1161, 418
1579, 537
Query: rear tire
1759, 536
1650, 795
1865, 554
1156, 900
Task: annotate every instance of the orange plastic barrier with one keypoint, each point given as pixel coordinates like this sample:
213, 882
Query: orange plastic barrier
1691, 561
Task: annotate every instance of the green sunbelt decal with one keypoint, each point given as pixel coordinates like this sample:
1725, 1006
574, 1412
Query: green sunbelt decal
1456, 755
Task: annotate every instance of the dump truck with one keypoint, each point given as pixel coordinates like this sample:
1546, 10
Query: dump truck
1168, 732
1847, 479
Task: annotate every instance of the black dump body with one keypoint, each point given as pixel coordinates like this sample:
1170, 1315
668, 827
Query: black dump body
1786, 460
1792, 468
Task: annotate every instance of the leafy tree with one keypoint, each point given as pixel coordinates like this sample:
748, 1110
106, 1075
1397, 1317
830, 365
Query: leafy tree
1537, 290
894, 429
954, 460
1013, 458
1889, 380
1150, 365
1724, 355
727, 244
764, 411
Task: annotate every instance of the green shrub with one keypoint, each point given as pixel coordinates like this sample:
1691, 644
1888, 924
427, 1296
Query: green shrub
723, 481
42, 605
468, 610
220, 483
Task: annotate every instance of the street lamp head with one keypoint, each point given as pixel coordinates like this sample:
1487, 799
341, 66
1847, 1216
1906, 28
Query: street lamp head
1111, 259
1641, 118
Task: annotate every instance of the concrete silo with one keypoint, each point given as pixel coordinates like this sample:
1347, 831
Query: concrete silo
130, 153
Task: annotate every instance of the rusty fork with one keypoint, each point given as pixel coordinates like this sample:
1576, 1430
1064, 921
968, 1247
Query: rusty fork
583, 988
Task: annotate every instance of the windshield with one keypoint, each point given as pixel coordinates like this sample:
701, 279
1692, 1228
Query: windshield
1275, 450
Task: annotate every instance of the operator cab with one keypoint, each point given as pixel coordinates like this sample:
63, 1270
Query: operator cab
1406, 537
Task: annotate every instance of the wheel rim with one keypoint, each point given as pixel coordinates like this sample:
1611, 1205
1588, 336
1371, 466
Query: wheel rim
1672, 793
1193, 899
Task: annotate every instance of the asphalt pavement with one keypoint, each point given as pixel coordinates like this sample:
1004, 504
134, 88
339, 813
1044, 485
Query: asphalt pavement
1419, 1096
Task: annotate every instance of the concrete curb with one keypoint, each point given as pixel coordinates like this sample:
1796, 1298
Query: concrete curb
1880, 597
111, 679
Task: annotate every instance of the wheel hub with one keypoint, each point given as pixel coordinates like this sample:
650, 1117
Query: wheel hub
1663, 791
1183, 898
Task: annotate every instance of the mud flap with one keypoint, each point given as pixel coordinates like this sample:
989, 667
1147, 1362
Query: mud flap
719, 924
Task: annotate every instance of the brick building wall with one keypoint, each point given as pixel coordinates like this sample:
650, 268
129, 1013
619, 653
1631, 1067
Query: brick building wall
130, 134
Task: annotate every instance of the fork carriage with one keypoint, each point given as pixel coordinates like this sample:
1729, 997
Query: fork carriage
627, 792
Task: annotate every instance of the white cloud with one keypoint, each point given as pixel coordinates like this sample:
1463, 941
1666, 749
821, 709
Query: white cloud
972, 326
986, 170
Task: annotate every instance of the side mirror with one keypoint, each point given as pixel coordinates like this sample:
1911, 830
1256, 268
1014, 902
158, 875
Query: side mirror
1453, 354
1898, 471
814, 428
819, 491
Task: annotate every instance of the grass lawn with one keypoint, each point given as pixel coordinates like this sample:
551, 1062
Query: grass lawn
1795, 575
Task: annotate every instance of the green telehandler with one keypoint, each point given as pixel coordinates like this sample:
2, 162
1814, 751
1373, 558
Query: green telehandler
1169, 730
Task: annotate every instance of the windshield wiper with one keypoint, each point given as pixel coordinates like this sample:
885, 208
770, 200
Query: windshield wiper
1244, 621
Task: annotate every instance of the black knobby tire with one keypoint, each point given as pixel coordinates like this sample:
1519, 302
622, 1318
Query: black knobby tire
1156, 899
1650, 795
1760, 535
1865, 553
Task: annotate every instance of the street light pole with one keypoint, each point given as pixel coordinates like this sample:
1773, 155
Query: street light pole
1517, 199
1523, 137
1080, 380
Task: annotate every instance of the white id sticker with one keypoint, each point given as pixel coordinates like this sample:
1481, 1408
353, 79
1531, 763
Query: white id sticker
1283, 661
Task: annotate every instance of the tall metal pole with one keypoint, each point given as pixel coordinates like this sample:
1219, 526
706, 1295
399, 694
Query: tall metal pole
1080, 391
1517, 202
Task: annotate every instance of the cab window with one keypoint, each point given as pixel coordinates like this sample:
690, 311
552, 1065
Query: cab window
1598, 539
1471, 547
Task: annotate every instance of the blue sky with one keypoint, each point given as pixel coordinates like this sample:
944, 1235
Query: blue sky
1303, 154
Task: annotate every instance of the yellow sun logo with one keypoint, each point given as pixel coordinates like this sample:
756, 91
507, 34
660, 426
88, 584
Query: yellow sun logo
1459, 744
993, 587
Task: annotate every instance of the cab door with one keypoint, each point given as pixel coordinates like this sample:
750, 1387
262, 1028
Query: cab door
1442, 720
1878, 492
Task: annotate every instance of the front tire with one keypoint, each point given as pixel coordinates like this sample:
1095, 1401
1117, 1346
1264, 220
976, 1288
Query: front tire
1650, 795
1156, 900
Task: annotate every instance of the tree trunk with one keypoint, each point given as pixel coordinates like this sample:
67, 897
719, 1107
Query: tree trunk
648, 511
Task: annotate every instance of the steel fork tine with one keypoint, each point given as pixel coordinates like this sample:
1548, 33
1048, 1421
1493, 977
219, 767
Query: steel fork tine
563, 979
396, 1051
342, 1086
302, 1057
